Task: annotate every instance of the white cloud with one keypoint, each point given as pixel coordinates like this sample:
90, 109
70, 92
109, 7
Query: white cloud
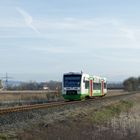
96, 25
94, 32
46, 49
128, 33
28, 19
118, 58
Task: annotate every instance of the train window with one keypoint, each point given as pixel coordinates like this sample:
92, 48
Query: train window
86, 84
84, 80
105, 85
96, 86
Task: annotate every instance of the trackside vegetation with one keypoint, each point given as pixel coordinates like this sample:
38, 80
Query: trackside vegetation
4, 137
0, 84
132, 84
114, 110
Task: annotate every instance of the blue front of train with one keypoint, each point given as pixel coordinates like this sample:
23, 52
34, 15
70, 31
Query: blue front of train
71, 86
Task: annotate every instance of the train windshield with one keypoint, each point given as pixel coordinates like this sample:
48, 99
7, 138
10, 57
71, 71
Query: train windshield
72, 80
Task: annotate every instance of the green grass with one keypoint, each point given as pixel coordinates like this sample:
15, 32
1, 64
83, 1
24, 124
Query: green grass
110, 111
3, 137
8, 136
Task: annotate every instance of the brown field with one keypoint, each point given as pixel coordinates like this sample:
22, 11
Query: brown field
115, 92
38, 95
26, 95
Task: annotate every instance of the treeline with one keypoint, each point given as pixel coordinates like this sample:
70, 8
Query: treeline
51, 85
115, 86
0, 84
132, 84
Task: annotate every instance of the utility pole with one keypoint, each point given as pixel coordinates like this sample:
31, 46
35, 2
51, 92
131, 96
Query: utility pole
6, 77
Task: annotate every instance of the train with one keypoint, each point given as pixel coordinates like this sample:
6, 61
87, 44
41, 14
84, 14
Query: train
79, 86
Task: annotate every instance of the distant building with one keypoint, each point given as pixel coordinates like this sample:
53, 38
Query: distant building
45, 87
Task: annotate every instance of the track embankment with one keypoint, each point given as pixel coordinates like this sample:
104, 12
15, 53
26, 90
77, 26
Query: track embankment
24, 108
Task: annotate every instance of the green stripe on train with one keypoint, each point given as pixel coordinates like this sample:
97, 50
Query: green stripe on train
75, 97
82, 95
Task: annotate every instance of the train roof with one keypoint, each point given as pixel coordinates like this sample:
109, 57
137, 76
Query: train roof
73, 73
96, 78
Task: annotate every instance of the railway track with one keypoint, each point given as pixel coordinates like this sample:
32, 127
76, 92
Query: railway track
53, 104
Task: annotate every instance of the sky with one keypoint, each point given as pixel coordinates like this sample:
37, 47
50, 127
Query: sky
42, 39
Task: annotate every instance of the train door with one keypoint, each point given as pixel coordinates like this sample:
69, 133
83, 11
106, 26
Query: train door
90, 88
86, 87
102, 88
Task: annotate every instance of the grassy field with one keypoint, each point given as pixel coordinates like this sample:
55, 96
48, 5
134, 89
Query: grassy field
16, 98
27, 95
38, 95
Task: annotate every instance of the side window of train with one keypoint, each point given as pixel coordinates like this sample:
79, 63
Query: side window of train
96, 86
86, 84
84, 80
105, 85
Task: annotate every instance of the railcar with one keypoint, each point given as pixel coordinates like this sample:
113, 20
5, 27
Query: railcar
78, 86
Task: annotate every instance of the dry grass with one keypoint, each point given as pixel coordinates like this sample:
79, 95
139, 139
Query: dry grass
40, 95
79, 127
115, 92
108, 112
26, 95
119, 123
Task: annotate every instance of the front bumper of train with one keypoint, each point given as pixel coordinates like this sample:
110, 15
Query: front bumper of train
74, 97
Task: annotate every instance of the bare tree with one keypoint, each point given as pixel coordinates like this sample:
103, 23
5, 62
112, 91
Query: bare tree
132, 84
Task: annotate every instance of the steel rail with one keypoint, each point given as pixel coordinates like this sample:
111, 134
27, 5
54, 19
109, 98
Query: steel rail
36, 106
